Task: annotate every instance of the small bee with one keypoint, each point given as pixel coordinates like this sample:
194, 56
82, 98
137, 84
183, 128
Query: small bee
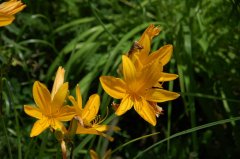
135, 47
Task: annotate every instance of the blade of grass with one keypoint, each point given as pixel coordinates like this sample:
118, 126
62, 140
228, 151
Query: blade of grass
17, 127
74, 23
134, 140
188, 131
94, 10
200, 95
170, 88
226, 106
6, 135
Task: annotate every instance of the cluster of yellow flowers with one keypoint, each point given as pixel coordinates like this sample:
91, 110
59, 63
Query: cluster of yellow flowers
143, 74
51, 110
8, 9
140, 86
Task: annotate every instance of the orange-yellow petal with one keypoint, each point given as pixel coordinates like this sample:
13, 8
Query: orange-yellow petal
143, 108
149, 75
33, 111
93, 154
124, 106
145, 42
57, 125
42, 97
66, 113
7, 11
167, 77
103, 128
76, 106
39, 126
59, 97
11, 7
160, 95
82, 130
91, 108
6, 19
164, 54
115, 87
129, 71
16, 8
146, 39
79, 97
59, 79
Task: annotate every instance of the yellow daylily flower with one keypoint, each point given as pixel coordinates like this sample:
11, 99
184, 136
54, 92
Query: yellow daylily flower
136, 89
89, 122
50, 109
8, 9
94, 155
140, 52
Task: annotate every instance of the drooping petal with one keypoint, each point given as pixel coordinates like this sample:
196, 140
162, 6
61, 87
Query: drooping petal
160, 95
59, 79
6, 19
59, 97
66, 113
145, 110
39, 126
91, 108
103, 128
115, 87
149, 75
124, 106
82, 130
164, 54
42, 97
167, 77
129, 71
33, 111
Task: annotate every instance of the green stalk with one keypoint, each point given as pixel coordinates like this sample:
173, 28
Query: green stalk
16, 120
6, 135
170, 88
1, 90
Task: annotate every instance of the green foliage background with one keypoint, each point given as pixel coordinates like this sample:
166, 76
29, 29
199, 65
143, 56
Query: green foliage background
88, 37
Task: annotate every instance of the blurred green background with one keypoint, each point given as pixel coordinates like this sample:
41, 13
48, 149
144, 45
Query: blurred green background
88, 37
